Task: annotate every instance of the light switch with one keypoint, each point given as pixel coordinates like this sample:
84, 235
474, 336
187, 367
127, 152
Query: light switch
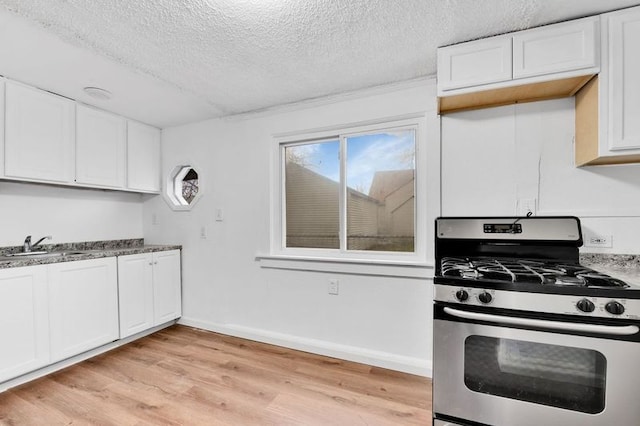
219, 215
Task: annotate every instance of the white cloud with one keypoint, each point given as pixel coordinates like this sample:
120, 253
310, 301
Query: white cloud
387, 151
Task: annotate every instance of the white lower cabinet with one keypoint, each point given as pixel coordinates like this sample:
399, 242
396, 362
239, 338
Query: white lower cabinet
83, 306
24, 320
149, 290
49, 313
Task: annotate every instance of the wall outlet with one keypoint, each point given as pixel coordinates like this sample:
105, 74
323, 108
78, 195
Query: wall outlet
219, 215
595, 240
526, 206
334, 286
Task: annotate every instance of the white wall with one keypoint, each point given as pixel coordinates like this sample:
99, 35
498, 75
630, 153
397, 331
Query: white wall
381, 320
67, 214
493, 157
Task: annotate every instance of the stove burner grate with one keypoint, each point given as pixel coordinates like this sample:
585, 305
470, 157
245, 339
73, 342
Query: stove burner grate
526, 271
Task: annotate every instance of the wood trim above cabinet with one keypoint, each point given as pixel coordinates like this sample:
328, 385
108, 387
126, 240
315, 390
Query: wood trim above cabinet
540, 91
587, 129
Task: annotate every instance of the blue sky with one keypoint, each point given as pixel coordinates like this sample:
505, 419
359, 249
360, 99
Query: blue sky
366, 154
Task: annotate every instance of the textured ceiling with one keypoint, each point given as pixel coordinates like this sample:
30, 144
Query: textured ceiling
222, 57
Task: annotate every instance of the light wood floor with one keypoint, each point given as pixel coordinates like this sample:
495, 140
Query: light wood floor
186, 376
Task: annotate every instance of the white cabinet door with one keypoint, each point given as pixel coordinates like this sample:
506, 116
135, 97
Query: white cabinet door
143, 157
556, 48
474, 63
167, 298
83, 306
1, 126
149, 290
623, 81
39, 134
135, 293
24, 320
100, 148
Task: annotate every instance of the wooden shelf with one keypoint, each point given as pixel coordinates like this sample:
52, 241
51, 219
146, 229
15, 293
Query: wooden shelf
514, 94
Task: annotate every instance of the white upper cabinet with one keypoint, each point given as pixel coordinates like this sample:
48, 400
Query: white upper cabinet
623, 80
143, 155
24, 320
101, 140
474, 63
51, 139
607, 109
553, 61
556, 48
39, 134
1, 126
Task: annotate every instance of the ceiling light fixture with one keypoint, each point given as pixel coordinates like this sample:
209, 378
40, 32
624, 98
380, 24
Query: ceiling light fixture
98, 93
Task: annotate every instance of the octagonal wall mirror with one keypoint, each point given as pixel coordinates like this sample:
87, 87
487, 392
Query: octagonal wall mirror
183, 187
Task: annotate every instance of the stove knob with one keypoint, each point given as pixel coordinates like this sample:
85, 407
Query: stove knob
485, 297
614, 308
462, 295
585, 305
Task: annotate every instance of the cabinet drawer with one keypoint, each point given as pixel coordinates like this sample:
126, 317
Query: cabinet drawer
474, 63
556, 48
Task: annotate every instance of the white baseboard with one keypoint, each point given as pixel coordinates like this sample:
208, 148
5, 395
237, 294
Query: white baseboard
391, 361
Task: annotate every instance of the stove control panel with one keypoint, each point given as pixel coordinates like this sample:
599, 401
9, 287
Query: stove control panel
601, 307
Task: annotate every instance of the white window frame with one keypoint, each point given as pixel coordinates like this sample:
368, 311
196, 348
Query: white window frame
172, 192
278, 208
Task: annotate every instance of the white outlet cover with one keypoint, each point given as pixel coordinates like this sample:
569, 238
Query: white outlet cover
334, 286
596, 240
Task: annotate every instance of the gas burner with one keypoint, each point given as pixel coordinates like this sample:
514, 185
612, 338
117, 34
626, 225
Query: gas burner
526, 271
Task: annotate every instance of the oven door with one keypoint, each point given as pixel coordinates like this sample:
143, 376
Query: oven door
494, 374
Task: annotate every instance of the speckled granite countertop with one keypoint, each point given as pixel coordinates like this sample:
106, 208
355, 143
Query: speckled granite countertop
87, 250
625, 267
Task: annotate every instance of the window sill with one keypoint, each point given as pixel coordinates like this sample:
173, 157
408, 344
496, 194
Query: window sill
347, 266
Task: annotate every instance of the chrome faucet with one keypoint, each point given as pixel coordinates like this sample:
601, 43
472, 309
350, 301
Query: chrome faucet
27, 246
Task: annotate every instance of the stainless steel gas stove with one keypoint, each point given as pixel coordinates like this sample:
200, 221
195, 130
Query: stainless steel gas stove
524, 334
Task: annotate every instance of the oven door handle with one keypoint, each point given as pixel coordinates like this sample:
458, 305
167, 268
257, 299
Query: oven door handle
624, 330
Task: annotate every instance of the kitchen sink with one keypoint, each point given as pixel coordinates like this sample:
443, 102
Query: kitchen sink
41, 254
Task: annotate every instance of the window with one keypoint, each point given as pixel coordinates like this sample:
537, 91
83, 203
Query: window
183, 187
351, 194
